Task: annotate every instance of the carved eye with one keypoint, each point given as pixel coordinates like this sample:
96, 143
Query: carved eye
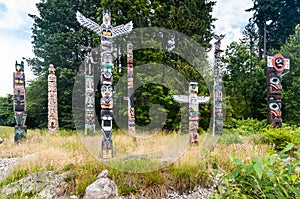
274, 80
279, 62
274, 106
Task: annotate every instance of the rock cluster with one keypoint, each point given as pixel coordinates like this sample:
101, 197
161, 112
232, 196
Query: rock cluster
46, 184
5, 165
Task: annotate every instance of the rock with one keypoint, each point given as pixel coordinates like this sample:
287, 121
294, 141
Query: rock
102, 188
1, 140
47, 185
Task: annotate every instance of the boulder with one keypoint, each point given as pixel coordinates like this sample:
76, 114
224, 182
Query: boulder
102, 188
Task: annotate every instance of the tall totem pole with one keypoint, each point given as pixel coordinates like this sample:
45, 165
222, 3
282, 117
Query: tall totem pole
277, 65
194, 102
130, 98
217, 88
19, 102
106, 32
52, 101
89, 97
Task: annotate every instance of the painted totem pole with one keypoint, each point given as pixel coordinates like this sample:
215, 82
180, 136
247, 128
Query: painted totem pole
89, 97
217, 87
277, 65
106, 32
131, 115
194, 102
52, 101
19, 102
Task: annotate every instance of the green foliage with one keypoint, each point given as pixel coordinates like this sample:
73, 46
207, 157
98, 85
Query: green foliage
244, 84
280, 137
271, 176
284, 16
230, 138
291, 81
6, 111
245, 127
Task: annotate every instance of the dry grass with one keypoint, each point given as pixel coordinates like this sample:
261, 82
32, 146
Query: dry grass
44, 152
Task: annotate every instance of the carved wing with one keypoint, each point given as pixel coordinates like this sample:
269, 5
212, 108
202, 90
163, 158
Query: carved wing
181, 98
86, 22
122, 29
202, 99
218, 37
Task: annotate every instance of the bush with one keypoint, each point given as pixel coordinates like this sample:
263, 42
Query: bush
280, 137
272, 176
245, 127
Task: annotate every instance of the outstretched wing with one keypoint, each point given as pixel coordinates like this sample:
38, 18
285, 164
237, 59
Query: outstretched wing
122, 29
86, 22
202, 99
181, 98
218, 37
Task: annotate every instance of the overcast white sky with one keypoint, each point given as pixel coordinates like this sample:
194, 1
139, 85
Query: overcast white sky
15, 32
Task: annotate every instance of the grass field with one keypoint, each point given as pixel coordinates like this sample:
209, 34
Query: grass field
161, 159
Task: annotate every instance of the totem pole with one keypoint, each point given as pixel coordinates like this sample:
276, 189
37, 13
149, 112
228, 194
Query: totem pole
130, 98
217, 88
277, 65
19, 102
194, 102
106, 32
52, 101
89, 97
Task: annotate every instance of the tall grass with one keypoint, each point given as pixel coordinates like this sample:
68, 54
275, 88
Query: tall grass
78, 157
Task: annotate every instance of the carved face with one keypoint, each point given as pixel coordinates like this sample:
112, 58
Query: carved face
107, 70
193, 88
106, 90
278, 62
106, 102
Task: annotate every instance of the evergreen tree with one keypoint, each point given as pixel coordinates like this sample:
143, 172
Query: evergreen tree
284, 16
6, 111
58, 39
291, 81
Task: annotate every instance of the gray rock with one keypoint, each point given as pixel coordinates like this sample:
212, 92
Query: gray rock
102, 188
1, 140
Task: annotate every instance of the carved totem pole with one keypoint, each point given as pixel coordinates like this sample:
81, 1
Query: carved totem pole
277, 65
52, 101
19, 102
194, 102
130, 98
106, 32
89, 97
217, 88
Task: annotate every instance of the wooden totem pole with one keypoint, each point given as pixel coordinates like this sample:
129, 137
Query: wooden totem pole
52, 101
20, 113
277, 65
89, 97
130, 98
194, 102
217, 88
106, 32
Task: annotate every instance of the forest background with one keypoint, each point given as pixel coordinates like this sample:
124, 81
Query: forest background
58, 39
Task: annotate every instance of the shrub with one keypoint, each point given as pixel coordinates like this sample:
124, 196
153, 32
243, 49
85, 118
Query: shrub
280, 137
272, 176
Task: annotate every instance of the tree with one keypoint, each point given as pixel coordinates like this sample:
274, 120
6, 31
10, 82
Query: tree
192, 18
284, 15
244, 83
291, 81
6, 111
58, 39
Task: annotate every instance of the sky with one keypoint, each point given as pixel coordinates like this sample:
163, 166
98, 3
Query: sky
15, 32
